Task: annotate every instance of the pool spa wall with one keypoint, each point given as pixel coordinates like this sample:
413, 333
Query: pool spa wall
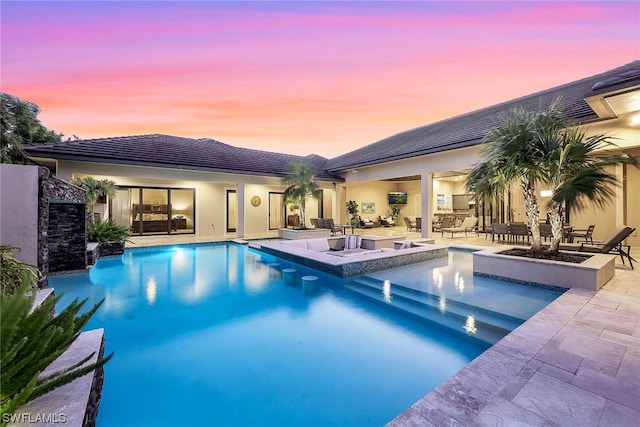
357, 263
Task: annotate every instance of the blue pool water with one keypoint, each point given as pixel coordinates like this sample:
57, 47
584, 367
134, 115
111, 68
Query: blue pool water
212, 335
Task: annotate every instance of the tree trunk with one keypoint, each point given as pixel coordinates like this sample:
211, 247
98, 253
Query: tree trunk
556, 220
532, 213
303, 223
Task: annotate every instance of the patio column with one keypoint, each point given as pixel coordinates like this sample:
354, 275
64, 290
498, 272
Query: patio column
426, 187
241, 205
619, 201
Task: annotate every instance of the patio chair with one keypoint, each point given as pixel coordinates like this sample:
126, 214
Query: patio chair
499, 229
585, 234
328, 224
545, 231
410, 223
612, 244
470, 223
517, 230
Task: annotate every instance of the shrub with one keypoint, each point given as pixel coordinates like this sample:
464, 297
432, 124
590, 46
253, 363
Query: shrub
12, 271
31, 340
107, 231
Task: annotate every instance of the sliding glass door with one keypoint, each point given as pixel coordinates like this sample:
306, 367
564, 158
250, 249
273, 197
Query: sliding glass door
148, 210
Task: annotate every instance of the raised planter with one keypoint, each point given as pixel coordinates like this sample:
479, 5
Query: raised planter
111, 249
307, 233
591, 274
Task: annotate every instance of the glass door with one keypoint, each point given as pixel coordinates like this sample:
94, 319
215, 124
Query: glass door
276, 211
232, 211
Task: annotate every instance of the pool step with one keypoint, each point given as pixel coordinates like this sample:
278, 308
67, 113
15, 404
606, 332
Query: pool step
454, 315
490, 316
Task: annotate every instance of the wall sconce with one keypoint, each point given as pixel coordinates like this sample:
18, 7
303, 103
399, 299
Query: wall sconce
546, 193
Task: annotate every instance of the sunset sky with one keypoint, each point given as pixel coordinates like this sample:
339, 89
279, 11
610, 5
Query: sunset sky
296, 77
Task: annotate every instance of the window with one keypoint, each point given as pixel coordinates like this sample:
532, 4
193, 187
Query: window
149, 210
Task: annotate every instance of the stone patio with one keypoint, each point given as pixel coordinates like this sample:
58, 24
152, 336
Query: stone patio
574, 363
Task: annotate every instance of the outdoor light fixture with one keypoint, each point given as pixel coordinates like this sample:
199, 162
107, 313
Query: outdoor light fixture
546, 193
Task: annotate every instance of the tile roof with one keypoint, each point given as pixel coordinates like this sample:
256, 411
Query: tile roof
469, 129
177, 153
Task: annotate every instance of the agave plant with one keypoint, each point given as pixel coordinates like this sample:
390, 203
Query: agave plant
30, 339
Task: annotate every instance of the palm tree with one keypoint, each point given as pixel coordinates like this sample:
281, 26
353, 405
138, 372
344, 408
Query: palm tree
301, 183
574, 166
542, 148
508, 158
96, 188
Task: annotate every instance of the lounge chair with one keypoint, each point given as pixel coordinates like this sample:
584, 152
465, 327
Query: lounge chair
612, 244
585, 234
470, 223
386, 222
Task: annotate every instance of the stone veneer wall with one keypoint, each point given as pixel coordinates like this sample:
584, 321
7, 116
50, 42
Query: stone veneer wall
54, 245
95, 395
67, 237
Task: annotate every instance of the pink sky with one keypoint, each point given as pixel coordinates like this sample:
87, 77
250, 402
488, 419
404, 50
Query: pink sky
297, 78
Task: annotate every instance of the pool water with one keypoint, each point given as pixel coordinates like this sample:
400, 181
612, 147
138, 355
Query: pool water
212, 335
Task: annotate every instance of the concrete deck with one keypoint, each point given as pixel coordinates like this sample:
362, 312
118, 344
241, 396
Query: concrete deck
575, 363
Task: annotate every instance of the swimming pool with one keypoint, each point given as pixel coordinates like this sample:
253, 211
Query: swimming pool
211, 335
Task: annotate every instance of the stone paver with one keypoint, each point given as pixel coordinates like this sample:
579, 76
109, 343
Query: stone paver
575, 363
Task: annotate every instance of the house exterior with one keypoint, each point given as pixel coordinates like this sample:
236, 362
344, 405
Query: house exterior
172, 186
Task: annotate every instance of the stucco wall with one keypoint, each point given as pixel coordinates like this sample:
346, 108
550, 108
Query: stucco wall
19, 210
211, 189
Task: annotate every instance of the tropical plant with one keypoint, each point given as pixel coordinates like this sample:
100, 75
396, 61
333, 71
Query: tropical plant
507, 158
301, 184
107, 231
96, 188
543, 148
31, 338
12, 271
352, 209
19, 125
574, 167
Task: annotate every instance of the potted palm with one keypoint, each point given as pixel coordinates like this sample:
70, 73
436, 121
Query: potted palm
301, 185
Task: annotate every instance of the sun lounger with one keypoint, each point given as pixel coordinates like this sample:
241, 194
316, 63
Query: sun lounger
470, 223
611, 244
